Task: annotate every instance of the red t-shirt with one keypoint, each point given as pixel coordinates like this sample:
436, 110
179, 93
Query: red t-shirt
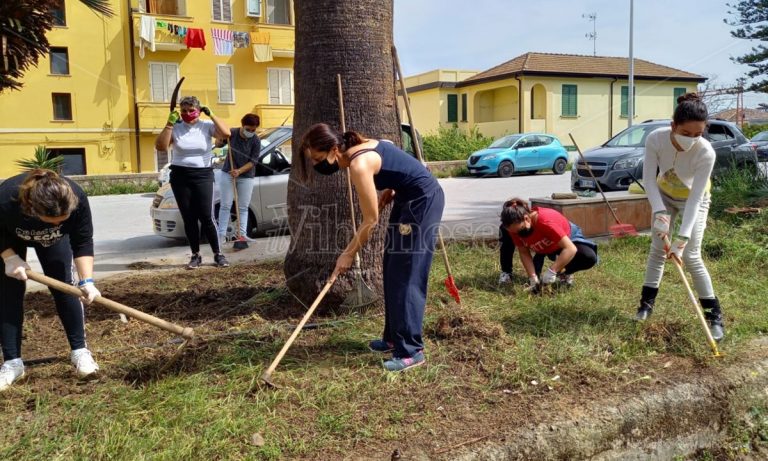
549, 229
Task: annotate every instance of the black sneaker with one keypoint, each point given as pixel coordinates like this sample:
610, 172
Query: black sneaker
220, 260
643, 312
195, 262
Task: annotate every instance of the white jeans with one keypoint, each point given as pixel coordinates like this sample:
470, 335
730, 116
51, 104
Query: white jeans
244, 192
654, 270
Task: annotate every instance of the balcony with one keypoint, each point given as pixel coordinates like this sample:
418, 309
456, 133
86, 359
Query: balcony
152, 116
274, 115
164, 39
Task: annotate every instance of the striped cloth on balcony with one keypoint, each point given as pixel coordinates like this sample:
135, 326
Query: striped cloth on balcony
223, 44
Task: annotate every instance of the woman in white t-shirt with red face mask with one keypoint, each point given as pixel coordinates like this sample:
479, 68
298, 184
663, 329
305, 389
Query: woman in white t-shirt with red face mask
684, 161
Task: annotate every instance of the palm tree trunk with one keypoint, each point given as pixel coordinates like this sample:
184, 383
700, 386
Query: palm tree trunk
352, 38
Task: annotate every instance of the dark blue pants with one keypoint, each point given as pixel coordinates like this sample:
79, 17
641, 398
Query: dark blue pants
410, 243
57, 263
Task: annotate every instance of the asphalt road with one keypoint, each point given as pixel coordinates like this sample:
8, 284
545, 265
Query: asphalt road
124, 238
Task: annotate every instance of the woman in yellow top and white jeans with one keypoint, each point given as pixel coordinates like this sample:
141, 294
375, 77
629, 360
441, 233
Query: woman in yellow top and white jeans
684, 161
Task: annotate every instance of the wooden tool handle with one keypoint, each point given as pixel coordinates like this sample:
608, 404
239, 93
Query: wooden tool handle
597, 183
185, 332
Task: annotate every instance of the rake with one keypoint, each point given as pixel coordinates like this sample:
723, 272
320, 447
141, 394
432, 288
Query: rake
240, 243
619, 229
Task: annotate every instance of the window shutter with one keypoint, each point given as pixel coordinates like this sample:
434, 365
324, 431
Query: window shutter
624, 101
171, 77
274, 86
217, 10
286, 95
677, 93
253, 8
157, 82
453, 108
226, 87
226, 10
570, 106
464, 107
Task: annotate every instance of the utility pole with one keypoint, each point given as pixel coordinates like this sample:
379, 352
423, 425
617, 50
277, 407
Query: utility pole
631, 95
592, 17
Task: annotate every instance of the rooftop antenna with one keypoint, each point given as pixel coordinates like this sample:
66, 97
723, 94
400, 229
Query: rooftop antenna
592, 17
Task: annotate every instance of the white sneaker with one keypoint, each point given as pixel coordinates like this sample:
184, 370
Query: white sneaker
10, 372
85, 366
505, 277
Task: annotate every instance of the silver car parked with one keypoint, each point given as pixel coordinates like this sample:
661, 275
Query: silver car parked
268, 209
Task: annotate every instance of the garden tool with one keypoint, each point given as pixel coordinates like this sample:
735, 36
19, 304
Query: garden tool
240, 242
692, 297
618, 229
266, 377
450, 283
362, 295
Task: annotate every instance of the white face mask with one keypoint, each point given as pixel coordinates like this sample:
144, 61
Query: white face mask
686, 142
248, 134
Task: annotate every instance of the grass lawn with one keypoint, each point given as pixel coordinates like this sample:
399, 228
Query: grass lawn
500, 360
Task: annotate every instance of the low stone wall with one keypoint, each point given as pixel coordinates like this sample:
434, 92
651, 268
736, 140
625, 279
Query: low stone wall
88, 181
445, 166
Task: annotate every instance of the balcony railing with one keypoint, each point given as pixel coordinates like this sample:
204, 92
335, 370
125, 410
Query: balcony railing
165, 40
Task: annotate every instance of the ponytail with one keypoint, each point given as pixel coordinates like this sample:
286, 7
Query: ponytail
351, 139
45, 193
514, 211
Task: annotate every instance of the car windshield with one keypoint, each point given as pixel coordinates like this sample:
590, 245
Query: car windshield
505, 142
762, 136
271, 135
633, 137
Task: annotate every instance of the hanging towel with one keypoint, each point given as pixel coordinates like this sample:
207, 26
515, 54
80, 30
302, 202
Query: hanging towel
262, 53
260, 38
241, 40
146, 34
195, 38
222, 42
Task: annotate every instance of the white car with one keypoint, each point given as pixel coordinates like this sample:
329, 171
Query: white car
268, 209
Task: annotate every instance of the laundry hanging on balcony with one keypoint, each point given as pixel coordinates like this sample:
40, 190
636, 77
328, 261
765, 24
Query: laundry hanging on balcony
222, 42
241, 40
195, 38
262, 49
147, 27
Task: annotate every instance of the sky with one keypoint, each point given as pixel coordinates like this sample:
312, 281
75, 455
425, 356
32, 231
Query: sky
478, 34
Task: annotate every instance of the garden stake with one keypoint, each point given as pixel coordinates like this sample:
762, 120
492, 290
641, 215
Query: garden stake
450, 283
240, 243
692, 297
266, 377
618, 229
361, 295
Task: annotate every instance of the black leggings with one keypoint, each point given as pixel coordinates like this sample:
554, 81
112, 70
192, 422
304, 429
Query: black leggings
584, 259
193, 190
57, 263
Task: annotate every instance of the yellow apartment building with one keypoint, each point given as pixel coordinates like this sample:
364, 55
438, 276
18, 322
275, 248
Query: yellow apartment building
102, 95
549, 93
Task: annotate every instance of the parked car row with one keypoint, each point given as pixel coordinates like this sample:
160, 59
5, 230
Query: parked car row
760, 142
519, 153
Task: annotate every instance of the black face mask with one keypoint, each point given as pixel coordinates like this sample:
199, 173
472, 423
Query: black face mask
525, 232
326, 168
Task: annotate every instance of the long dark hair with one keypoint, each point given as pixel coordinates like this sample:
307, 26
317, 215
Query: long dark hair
690, 108
45, 193
323, 137
514, 211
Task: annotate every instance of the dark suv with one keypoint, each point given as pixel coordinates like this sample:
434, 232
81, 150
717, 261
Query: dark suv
615, 162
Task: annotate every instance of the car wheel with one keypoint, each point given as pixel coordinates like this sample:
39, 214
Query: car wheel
506, 169
559, 166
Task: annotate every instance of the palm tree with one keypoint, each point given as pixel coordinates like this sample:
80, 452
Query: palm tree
352, 38
43, 160
23, 25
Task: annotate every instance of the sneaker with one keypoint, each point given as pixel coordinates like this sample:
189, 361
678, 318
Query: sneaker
505, 277
565, 280
85, 366
195, 261
220, 260
11, 372
396, 364
379, 345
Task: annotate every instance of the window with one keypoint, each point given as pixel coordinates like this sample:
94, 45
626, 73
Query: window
62, 106
164, 7
453, 108
278, 12
74, 160
253, 8
464, 107
222, 10
570, 103
58, 13
280, 86
59, 61
226, 83
162, 79
719, 132
545, 140
677, 93
625, 101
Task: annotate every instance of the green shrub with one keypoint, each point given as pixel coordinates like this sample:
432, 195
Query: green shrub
738, 187
450, 143
751, 130
98, 187
42, 160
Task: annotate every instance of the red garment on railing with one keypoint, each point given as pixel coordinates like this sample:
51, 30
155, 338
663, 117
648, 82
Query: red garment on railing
195, 38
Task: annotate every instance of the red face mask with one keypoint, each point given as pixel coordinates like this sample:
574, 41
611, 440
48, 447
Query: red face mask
190, 116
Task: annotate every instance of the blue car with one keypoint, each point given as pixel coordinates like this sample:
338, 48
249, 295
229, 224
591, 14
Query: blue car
528, 152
